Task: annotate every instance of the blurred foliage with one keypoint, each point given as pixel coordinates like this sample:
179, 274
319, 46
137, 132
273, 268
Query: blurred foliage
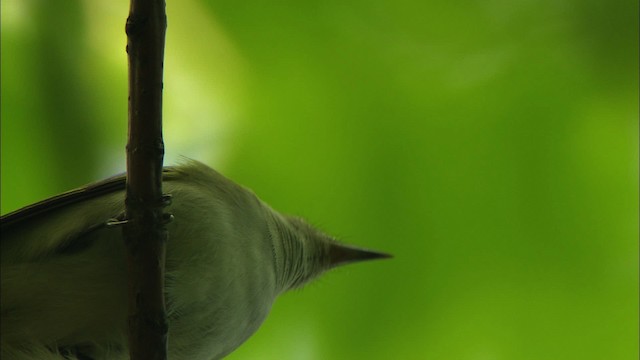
492, 146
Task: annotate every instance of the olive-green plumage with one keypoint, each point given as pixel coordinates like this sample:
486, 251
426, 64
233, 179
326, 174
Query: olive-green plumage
63, 290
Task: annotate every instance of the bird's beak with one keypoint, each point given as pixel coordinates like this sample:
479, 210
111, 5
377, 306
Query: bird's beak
340, 254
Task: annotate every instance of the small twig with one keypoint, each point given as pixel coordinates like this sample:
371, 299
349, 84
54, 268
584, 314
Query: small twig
144, 222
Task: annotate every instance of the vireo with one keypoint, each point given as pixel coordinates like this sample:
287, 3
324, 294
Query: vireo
63, 274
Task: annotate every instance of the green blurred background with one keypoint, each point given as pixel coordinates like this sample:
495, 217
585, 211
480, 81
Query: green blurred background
492, 146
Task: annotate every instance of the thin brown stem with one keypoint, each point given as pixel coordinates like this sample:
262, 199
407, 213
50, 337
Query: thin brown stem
145, 234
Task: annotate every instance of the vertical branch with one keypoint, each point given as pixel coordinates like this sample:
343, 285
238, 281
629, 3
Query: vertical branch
145, 234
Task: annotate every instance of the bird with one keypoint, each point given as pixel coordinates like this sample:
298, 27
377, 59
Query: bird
63, 271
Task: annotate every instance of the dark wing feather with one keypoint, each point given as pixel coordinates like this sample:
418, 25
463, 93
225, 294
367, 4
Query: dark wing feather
107, 186
103, 187
58, 226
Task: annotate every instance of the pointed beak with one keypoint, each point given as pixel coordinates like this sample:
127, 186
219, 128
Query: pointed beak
340, 254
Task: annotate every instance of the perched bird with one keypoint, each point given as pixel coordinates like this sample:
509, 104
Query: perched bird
63, 290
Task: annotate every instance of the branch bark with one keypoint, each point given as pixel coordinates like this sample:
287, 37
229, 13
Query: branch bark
145, 234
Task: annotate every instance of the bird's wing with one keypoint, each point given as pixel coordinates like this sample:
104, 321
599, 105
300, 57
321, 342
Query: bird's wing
70, 197
41, 208
57, 225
